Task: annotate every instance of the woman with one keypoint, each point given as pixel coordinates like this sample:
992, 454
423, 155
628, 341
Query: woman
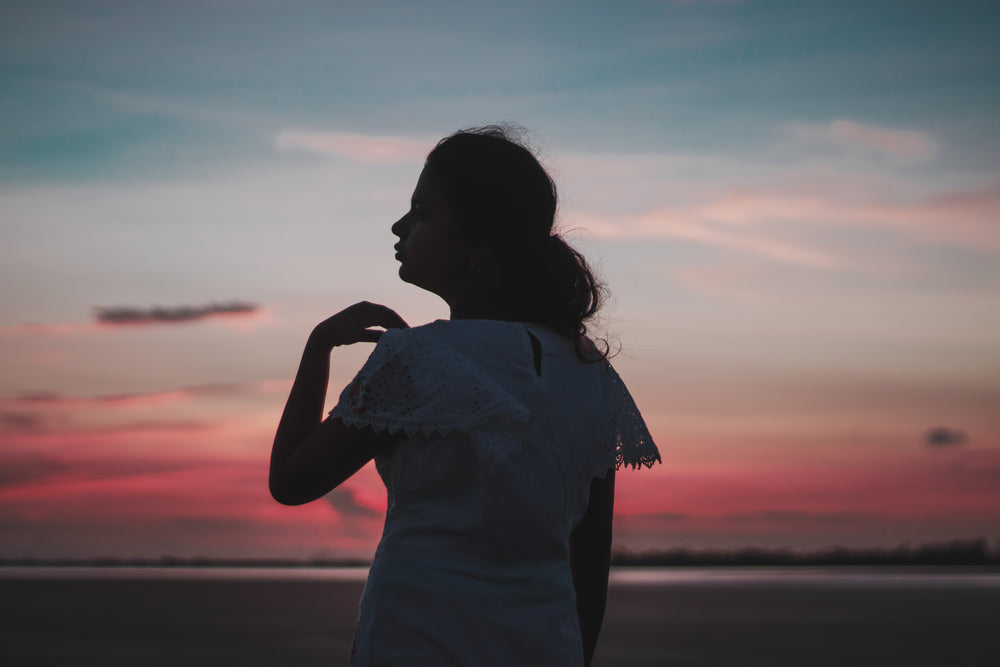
497, 432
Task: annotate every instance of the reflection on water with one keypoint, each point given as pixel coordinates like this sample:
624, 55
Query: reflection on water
189, 573
861, 576
813, 576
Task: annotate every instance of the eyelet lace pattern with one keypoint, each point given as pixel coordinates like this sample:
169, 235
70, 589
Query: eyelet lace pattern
417, 384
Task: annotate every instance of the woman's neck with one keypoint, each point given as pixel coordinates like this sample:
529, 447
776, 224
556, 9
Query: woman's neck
484, 313
483, 309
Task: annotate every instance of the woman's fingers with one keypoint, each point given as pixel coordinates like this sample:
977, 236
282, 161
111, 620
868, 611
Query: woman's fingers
377, 315
358, 323
370, 335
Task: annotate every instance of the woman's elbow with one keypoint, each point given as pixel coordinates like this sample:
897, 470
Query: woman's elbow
284, 492
281, 496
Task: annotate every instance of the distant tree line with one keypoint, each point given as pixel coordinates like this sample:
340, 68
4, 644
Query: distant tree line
957, 552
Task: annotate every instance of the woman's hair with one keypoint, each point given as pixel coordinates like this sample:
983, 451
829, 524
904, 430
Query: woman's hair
505, 201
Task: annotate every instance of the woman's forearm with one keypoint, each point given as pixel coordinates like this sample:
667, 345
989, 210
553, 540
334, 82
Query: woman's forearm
591, 565
310, 456
590, 560
304, 407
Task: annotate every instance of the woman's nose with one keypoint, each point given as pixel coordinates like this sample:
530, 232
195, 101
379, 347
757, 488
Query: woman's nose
397, 227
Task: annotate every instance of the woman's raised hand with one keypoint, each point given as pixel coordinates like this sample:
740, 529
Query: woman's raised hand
354, 325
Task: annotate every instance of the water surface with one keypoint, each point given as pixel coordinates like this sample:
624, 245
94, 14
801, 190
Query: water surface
255, 617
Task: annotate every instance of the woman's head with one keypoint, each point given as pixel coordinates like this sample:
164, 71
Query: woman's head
501, 195
489, 208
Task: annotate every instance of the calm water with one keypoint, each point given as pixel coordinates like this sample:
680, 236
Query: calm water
687, 616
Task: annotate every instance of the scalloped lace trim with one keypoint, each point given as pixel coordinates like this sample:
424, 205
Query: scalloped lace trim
631, 445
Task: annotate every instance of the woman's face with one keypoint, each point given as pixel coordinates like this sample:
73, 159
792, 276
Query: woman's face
430, 257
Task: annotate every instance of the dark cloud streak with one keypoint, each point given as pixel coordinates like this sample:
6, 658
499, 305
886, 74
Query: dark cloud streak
796, 517
29, 468
203, 390
942, 436
20, 421
126, 315
19, 468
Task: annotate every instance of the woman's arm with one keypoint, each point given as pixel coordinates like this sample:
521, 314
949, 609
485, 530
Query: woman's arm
311, 457
590, 560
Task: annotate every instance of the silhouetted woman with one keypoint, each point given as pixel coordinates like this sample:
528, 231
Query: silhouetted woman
497, 432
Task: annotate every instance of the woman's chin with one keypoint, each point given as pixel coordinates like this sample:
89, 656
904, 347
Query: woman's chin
404, 275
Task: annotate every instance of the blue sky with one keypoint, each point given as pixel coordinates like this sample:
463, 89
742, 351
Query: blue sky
96, 88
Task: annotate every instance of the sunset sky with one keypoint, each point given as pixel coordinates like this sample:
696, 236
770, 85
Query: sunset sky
796, 206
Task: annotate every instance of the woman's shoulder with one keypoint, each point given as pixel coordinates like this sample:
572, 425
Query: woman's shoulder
475, 342
478, 337
468, 326
469, 334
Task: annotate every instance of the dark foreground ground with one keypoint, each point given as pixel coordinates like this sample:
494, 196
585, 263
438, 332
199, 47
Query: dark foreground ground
708, 619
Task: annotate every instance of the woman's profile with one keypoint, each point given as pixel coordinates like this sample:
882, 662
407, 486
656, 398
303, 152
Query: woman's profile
497, 432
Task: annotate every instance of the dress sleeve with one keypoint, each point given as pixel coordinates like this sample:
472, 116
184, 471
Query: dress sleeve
627, 441
415, 383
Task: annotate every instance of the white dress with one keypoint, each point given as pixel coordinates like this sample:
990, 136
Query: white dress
494, 475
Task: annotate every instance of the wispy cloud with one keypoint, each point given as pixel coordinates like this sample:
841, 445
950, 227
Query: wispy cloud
143, 399
964, 218
848, 135
358, 147
734, 280
789, 224
24, 468
709, 225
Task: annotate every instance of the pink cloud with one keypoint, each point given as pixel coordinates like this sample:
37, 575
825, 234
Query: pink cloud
898, 143
901, 486
216, 508
220, 505
739, 282
87, 504
778, 224
845, 134
359, 147
965, 218
30, 330
712, 225
152, 488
